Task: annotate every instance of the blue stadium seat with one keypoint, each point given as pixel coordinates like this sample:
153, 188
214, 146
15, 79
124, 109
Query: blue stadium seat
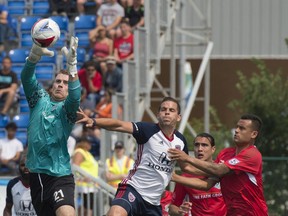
82, 25
17, 69
26, 25
21, 120
17, 7
18, 55
40, 7
4, 119
63, 23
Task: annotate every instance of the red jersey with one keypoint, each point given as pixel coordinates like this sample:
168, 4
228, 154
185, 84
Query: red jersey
243, 189
165, 202
124, 46
204, 203
96, 80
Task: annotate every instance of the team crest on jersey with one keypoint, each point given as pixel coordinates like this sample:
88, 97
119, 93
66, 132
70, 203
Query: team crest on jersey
233, 161
217, 185
131, 197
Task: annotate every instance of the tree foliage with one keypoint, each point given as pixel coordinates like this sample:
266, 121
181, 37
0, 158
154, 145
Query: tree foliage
265, 94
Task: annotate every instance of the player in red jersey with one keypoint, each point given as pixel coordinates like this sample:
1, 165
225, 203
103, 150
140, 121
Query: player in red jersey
204, 203
239, 169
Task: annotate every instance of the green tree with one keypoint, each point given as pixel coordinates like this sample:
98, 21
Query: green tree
265, 94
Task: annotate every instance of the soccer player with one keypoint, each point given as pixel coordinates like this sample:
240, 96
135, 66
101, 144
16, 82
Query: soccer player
140, 192
52, 117
18, 192
203, 203
239, 169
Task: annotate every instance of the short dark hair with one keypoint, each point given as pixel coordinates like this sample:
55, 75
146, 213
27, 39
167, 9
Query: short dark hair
256, 121
208, 136
11, 125
89, 64
170, 99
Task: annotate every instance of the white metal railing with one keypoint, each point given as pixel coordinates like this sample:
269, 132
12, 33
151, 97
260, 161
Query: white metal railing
102, 192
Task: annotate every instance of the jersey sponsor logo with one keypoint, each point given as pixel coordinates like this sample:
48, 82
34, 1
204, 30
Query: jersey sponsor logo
163, 160
58, 196
131, 197
233, 161
26, 205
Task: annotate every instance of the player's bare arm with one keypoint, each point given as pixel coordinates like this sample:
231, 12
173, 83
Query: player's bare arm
197, 183
213, 169
106, 123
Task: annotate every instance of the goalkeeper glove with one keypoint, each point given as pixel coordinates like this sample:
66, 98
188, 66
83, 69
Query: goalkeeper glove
36, 53
71, 56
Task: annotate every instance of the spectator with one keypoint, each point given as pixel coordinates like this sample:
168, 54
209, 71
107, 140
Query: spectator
86, 105
113, 75
85, 160
81, 3
102, 48
5, 28
118, 165
93, 135
18, 192
109, 15
135, 14
10, 148
166, 199
8, 86
91, 80
124, 45
104, 107
62, 7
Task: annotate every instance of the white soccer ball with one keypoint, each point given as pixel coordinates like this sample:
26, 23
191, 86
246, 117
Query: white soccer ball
45, 32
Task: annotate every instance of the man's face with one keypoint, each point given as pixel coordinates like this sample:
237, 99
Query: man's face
90, 71
244, 133
59, 90
168, 114
24, 172
11, 133
6, 64
203, 149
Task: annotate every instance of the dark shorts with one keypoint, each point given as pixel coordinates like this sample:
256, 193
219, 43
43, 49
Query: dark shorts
128, 198
49, 192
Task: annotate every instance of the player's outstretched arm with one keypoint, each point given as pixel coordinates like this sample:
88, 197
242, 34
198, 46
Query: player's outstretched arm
196, 183
37, 52
105, 123
182, 210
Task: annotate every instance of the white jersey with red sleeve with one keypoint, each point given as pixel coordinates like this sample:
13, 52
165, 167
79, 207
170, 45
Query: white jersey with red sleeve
243, 189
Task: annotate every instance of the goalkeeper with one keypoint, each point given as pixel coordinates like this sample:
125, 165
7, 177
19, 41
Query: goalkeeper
52, 117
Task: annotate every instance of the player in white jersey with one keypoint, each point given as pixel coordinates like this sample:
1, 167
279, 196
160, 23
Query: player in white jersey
140, 193
18, 193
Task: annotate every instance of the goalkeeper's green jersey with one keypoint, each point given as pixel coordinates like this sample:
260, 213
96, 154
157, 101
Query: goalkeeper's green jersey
50, 125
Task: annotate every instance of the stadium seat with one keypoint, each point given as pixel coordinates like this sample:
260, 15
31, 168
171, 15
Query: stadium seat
26, 25
40, 8
17, 69
17, 7
82, 25
21, 120
4, 119
63, 23
18, 55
